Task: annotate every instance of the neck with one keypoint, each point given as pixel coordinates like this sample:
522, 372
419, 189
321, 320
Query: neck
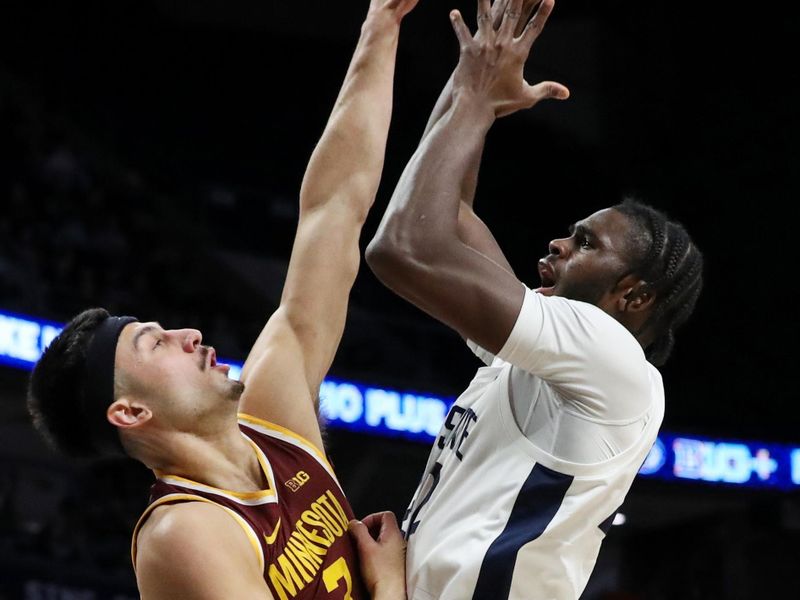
639, 329
224, 459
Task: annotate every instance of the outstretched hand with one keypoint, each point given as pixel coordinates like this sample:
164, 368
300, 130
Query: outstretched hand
381, 551
492, 61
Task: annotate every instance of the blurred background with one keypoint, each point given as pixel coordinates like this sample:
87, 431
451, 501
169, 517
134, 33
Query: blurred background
151, 154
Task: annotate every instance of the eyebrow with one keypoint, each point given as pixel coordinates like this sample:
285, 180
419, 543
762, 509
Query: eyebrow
582, 229
144, 331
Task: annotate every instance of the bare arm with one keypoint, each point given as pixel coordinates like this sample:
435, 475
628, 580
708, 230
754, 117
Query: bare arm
296, 348
195, 551
417, 251
471, 228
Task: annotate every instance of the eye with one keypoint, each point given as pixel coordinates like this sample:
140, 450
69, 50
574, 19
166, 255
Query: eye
158, 343
584, 242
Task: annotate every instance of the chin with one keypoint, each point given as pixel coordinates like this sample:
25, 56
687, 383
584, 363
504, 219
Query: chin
235, 389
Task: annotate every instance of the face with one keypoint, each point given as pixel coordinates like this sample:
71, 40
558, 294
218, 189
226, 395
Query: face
589, 264
173, 373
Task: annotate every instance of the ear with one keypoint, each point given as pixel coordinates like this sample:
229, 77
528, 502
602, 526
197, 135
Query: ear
636, 297
126, 414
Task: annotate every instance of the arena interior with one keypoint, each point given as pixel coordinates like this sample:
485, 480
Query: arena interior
151, 154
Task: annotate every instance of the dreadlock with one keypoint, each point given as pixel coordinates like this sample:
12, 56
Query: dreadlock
666, 258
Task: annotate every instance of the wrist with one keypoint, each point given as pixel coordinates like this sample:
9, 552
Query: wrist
478, 109
382, 22
389, 591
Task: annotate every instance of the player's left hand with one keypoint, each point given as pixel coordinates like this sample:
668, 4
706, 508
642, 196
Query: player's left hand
491, 62
381, 550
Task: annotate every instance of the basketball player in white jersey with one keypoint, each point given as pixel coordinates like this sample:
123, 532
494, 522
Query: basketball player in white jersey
537, 455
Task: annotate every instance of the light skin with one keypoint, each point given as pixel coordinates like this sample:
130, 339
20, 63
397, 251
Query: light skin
381, 549
432, 250
176, 409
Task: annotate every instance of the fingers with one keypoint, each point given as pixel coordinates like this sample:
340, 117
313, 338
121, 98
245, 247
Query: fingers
528, 8
510, 20
374, 522
546, 90
381, 525
484, 17
536, 24
462, 31
498, 10
389, 527
360, 534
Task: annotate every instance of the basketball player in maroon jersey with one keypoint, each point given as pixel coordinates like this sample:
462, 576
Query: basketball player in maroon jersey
245, 506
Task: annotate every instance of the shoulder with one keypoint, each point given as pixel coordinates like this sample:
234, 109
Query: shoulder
176, 530
584, 352
552, 326
194, 547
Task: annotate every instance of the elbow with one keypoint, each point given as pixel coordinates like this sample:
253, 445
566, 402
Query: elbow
399, 253
392, 258
382, 256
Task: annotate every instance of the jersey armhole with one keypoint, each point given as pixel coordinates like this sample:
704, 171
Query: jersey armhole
287, 435
179, 498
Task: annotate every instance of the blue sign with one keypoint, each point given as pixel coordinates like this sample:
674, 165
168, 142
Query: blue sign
796, 466
736, 463
22, 340
357, 407
418, 416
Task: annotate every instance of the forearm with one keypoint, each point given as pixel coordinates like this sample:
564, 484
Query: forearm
349, 157
443, 104
423, 212
472, 231
470, 181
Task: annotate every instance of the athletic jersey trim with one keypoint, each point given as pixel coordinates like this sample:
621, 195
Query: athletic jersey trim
266, 496
289, 436
176, 498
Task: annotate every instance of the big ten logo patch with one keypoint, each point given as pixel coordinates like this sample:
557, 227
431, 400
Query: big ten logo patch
296, 482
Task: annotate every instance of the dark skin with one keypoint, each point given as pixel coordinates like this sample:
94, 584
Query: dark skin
592, 265
430, 247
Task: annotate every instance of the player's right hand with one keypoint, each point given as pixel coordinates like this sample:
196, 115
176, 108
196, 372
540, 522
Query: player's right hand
381, 550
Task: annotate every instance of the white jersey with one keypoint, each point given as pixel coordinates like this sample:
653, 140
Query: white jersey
534, 459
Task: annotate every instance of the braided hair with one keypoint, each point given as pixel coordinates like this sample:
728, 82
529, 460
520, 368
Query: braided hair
667, 259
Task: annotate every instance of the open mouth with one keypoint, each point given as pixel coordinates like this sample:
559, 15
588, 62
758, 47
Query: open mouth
213, 364
547, 277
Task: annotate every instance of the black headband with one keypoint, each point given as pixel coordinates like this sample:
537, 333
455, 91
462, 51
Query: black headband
99, 391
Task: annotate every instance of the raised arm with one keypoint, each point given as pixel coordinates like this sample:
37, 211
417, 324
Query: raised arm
471, 228
294, 351
418, 251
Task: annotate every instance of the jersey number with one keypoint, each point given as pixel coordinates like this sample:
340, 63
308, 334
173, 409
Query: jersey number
435, 473
332, 574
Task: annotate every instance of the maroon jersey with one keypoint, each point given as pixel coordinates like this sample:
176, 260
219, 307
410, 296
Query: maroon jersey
297, 527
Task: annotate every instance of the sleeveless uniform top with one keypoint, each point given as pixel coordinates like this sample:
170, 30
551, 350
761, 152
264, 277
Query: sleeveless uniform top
297, 527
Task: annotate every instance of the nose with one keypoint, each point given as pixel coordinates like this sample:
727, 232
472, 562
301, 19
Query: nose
558, 247
190, 339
